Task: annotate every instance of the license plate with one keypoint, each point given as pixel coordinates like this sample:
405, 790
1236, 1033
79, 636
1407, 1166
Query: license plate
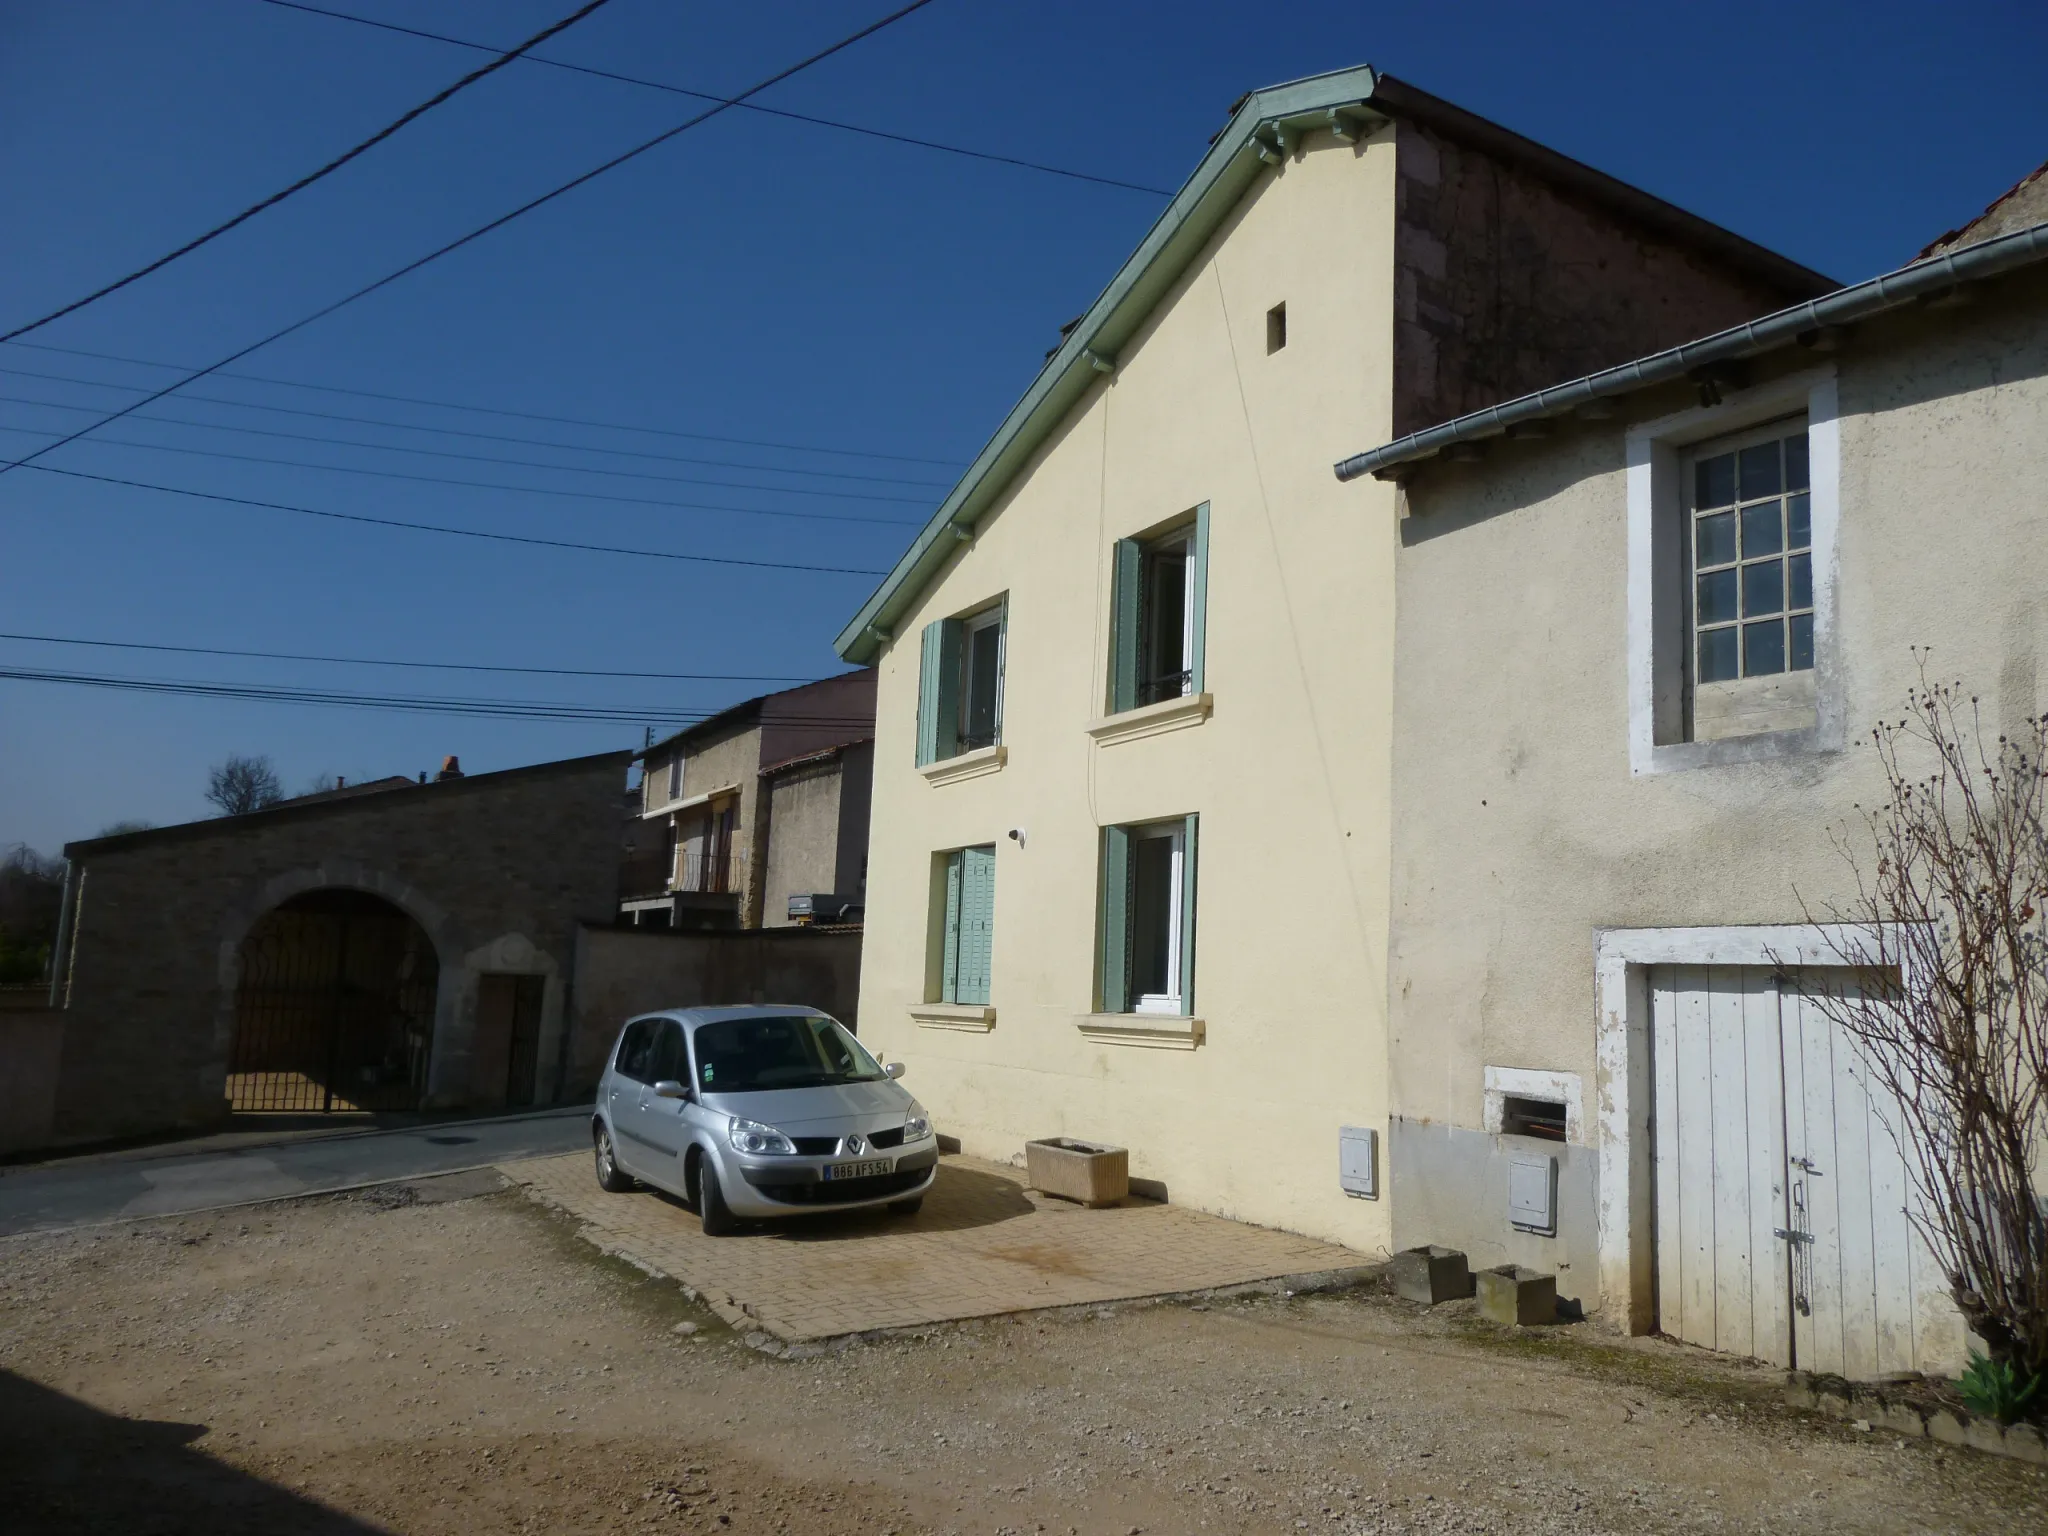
837, 1171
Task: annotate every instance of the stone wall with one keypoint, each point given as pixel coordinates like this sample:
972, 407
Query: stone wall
497, 868
621, 972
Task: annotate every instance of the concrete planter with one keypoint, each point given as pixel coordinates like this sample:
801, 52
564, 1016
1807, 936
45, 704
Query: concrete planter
1078, 1170
1431, 1275
1511, 1294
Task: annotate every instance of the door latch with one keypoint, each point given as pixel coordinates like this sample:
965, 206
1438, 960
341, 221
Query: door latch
1805, 1165
1792, 1234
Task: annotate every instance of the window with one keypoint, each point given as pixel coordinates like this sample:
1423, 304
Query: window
1148, 917
960, 685
761, 1055
666, 1061
1159, 612
966, 928
1276, 328
675, 777
1733, 516
636, 1047
1749, 536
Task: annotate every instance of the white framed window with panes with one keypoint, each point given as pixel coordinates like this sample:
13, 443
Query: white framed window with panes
1146, 921
1159, 614
1733, 516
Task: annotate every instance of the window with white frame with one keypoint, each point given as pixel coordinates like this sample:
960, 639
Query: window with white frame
960, 684
675, 777
1148, 917
1734, 513
1159, 614
1749, 540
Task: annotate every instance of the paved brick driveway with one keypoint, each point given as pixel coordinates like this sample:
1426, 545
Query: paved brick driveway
982, 1245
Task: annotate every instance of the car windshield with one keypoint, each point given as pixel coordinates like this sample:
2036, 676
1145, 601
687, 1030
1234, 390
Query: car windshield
762, 1054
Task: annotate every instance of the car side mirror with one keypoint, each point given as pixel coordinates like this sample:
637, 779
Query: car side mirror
669, 1088
894, 1069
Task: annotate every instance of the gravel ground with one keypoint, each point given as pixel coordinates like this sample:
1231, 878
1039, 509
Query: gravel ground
405, 1361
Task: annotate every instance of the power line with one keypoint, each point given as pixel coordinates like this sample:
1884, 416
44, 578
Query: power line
494, 485
476, 234
500, 709
481, 410
306, 181
829, 494
460, 533
433, 666
410, 426
677, 90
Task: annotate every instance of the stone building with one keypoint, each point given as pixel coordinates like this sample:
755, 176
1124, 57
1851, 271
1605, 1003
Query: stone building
398, 947
762, 803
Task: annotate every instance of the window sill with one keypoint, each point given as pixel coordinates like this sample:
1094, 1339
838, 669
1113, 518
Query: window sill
1160, 1031
1152, 719
977, 1019
1726, 751
968, 765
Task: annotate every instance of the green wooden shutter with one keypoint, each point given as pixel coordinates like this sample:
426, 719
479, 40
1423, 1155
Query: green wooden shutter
1198, 598
1116, 920
1187, 918
1123, 626
938, 692
949, 984
977, 924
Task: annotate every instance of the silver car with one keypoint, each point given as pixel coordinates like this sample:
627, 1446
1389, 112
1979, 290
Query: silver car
749, 1113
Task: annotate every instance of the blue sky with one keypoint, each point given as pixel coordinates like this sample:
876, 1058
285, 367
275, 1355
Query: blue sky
754, 279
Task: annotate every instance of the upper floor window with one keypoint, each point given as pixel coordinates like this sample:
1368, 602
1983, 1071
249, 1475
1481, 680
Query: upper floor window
960, 684
675, 777
1749, 541
1159, 615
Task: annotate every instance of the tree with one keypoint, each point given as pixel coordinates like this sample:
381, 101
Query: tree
244, 784
31, 892
1951, 919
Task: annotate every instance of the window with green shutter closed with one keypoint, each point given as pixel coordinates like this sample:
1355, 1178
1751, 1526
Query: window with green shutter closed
970, 925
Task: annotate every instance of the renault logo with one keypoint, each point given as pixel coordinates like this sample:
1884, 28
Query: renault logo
855, 1145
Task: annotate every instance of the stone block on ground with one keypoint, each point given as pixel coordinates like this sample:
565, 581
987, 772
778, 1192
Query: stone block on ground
1512, 1294
1429, 1275
1078, 1170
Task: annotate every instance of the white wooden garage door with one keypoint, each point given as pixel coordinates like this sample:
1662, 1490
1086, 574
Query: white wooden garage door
1780, 1192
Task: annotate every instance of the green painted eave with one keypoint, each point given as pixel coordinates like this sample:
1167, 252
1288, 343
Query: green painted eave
1272, 118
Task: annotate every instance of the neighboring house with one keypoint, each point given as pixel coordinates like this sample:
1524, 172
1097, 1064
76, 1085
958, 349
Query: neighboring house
761, 803
1132, 788
1645, 623
410, 946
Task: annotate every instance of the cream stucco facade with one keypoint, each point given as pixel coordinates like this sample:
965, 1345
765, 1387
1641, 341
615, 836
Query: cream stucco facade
1550, 843
1288, 772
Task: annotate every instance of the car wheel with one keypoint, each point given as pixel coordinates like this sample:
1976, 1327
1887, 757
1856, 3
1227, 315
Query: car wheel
612, 1179
712, 1210
908, 1207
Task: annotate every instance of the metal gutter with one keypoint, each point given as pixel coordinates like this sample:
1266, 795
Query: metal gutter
1862, 301
1264, 129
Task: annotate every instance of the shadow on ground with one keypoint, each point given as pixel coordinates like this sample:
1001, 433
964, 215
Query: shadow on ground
66, 1467
959, 1200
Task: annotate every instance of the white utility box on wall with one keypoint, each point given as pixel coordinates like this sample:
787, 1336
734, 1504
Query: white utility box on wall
1358, 1162
1532, 1194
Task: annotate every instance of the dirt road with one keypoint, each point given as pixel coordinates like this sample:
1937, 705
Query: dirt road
368, 1363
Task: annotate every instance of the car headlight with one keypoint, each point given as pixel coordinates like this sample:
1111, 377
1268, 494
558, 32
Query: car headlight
755, 1139
919, 1125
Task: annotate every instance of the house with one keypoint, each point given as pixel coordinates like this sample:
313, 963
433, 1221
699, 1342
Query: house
1645, 622
758, 816
1135, 720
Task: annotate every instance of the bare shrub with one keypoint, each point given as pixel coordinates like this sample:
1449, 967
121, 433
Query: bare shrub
1952, 902
243, 784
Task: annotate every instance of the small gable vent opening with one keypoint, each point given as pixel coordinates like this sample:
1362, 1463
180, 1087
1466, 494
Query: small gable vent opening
1542, 1118
1276, 328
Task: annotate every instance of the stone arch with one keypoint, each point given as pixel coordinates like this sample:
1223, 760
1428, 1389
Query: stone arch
349, 875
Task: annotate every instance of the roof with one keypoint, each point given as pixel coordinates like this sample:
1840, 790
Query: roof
858, 726
2022, 204
348, 791
1801, 324
1264, 126
320, 805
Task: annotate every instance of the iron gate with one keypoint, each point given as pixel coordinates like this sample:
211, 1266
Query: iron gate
336, 1007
